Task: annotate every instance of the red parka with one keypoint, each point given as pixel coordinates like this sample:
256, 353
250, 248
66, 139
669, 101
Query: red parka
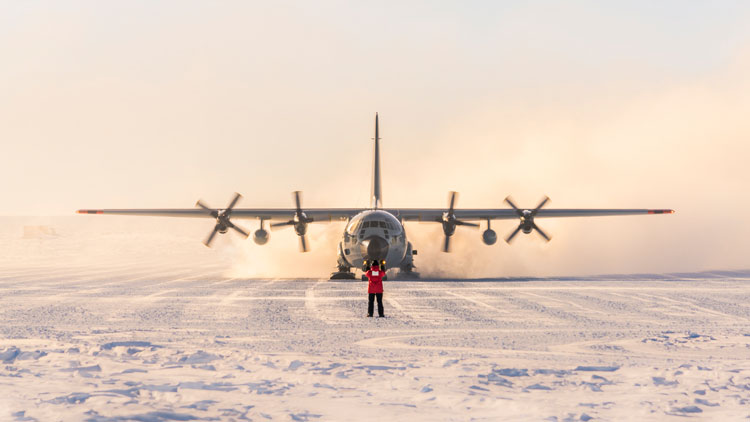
375, 278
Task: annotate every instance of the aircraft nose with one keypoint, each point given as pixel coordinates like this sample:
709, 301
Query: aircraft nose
376, 247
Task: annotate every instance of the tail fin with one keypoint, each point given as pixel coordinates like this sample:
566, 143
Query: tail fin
376, 198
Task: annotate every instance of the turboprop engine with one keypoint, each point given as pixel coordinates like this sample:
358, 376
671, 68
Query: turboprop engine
449, 222
299, 222
223, 223
526, 217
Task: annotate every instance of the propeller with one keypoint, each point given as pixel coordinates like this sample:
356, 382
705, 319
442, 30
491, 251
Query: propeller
299, 222
222, 219
450, 221
527, 220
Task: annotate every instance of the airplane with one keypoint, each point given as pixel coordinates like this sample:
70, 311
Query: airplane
374, 233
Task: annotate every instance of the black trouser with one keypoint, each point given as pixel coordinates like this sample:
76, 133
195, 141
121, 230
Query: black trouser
371, 302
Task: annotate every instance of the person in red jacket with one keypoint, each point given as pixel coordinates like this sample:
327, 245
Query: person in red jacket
375, 288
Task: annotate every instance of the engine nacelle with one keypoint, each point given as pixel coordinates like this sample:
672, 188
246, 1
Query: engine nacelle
449, 228
300, 229
260, 237
489, 237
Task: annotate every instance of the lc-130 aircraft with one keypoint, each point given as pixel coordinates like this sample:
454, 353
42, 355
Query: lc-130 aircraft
375, 232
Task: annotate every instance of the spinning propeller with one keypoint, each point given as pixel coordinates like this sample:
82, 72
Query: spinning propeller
222, 219
527, 220
300, 222
450, 222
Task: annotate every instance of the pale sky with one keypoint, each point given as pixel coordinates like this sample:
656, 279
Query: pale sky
596, 104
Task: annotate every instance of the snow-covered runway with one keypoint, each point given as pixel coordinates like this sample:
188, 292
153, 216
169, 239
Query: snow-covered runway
119, 344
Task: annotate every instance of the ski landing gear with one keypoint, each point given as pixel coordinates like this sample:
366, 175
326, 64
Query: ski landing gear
343, 273
406, 268
344, 269
407, 272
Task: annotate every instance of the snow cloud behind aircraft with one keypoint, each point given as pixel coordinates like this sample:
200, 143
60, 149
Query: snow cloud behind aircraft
593, 105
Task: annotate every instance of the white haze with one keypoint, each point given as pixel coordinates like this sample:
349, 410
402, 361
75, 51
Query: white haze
117, 105
683, 146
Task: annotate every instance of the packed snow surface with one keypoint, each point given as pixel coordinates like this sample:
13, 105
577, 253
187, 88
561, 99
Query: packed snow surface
101, 347
137, 339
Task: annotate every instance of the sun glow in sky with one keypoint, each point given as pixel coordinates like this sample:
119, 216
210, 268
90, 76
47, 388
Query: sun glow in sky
596, 104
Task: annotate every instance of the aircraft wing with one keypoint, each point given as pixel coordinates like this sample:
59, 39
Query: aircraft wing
406, 214
433, 214
317, 214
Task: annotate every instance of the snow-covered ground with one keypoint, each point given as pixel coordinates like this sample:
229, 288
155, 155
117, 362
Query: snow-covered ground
132, 336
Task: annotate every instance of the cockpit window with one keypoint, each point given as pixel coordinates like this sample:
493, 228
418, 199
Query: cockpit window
357, 226
354, 226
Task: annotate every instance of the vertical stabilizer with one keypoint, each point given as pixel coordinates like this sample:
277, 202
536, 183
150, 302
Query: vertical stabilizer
376, 198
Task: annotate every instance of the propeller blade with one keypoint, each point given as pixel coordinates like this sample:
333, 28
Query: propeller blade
236, 198
204, 206
275, 226
240, 230
541, 204
544, 235
211, 235
447, 244
512, 205
452, 201
298, 201
466, 223
303, 243
512, 235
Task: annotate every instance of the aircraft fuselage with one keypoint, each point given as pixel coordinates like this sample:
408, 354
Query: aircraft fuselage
374, 234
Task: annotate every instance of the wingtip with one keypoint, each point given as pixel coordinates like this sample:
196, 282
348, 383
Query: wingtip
89, 212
